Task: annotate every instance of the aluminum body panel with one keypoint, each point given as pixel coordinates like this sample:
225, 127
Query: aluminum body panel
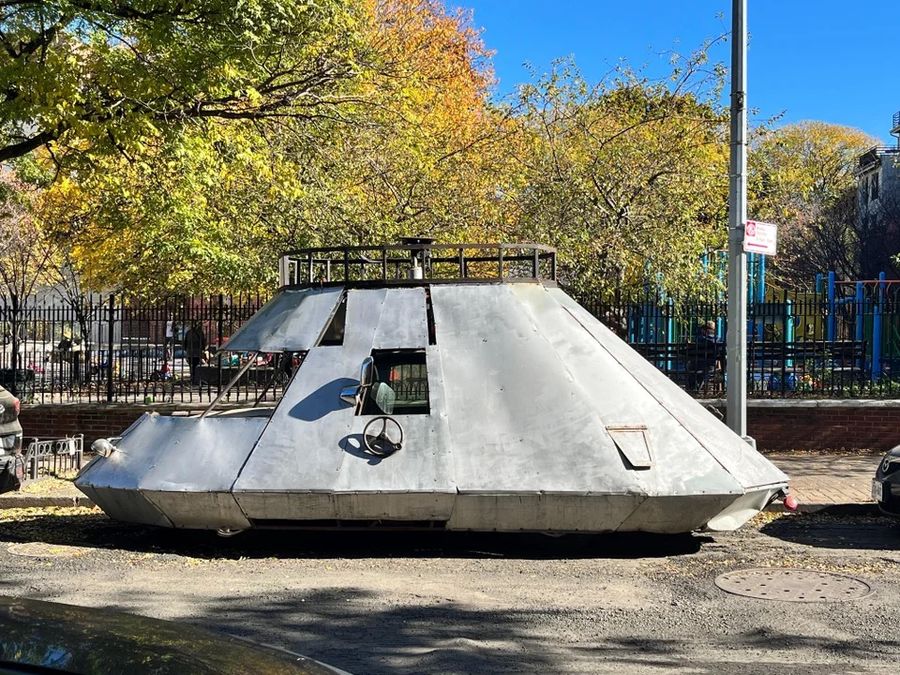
125, 504
533, 396
405, 325
622, 401
744, 463
542, 512
291, 321
184, 466
313, 443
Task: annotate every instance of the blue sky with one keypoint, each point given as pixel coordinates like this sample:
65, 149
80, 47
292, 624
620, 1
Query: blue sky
809, 59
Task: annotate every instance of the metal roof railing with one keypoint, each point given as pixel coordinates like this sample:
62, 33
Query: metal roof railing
417, 263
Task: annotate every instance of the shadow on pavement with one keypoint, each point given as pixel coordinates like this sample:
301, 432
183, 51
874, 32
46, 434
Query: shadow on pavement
97, 531
348, 628
872, 533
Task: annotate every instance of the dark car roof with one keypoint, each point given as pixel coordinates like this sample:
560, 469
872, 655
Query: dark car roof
66, 638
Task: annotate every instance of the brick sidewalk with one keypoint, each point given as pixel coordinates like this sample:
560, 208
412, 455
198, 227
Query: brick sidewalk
820, 481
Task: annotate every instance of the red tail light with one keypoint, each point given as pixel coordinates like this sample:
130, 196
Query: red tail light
17, 404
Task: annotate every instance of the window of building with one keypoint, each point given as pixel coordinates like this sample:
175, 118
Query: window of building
401, 383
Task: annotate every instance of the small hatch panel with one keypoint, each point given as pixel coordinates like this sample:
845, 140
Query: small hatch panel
633, 441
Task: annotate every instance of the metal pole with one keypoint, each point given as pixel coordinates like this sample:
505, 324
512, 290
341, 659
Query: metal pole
736, 342
110, 335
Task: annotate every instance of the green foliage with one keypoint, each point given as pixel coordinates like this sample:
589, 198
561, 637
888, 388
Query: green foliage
183, 146
627, 177
802, 177
107, 74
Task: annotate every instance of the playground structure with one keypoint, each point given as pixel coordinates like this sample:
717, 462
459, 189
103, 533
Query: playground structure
844, 335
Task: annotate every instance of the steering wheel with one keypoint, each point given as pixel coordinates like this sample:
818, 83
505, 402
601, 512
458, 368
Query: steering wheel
380, 443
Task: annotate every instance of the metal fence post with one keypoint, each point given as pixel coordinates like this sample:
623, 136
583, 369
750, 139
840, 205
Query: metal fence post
877, 327
15, 345
109, 346
221, 334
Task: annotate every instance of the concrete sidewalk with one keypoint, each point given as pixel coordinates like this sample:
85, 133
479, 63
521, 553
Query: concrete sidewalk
822, 481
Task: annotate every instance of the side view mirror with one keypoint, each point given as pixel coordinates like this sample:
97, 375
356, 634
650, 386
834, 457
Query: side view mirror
351, 394
367, 372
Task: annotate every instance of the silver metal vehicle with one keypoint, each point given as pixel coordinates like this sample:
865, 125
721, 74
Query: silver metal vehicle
440, 386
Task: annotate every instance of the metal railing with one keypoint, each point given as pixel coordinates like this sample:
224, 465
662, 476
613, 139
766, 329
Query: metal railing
111, 348
841, 342
53, 456
417, 263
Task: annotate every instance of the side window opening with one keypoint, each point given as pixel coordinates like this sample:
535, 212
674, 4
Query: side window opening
333, 335
429, 313
400, 384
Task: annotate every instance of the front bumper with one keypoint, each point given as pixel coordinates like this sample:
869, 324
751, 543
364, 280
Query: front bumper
886, 487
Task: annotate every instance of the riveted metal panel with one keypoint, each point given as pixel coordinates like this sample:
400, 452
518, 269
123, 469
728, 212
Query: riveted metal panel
748, 468
291, 321
624, 403
403, 323
313, 444
519, 421
175, 463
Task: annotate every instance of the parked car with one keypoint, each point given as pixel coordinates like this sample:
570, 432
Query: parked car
10, 429
49, 637
886, 486
12, 466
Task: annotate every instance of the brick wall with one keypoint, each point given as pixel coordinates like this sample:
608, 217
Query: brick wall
823, 425
94, 421
776, 425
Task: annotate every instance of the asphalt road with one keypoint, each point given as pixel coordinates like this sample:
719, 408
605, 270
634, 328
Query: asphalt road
432, 602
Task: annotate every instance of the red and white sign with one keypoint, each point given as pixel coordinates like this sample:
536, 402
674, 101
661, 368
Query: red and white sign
760, 237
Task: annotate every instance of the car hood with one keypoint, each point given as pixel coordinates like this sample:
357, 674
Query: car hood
95, 642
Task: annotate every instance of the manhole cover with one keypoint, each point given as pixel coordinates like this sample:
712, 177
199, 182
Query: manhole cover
38, 549
792, 585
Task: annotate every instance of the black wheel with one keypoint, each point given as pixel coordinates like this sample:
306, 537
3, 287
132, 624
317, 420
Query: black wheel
383, 436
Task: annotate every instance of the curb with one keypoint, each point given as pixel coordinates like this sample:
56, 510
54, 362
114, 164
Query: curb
37, 501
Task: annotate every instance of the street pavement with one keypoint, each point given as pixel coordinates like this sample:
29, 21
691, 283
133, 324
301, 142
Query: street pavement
432, 602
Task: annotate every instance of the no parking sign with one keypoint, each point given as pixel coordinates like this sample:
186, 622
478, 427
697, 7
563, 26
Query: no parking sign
760, 237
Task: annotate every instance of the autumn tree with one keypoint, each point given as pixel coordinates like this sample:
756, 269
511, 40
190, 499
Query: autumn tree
802, 176
210, 207
627, 177
25, 252
109, 73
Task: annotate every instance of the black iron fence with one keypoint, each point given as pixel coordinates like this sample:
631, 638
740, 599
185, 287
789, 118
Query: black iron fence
840, 343
108, 348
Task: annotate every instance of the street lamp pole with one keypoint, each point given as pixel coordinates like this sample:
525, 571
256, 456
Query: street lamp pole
736, 342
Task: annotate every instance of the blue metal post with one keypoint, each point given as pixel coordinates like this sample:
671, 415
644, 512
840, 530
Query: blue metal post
876, 328
751, 274
670, 330
860, 318
831, 326
788, 328
761, 284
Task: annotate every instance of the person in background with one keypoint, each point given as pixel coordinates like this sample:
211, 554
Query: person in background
706, 356
194, 345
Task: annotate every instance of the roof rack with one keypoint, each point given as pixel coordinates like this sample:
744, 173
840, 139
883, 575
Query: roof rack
416, 262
